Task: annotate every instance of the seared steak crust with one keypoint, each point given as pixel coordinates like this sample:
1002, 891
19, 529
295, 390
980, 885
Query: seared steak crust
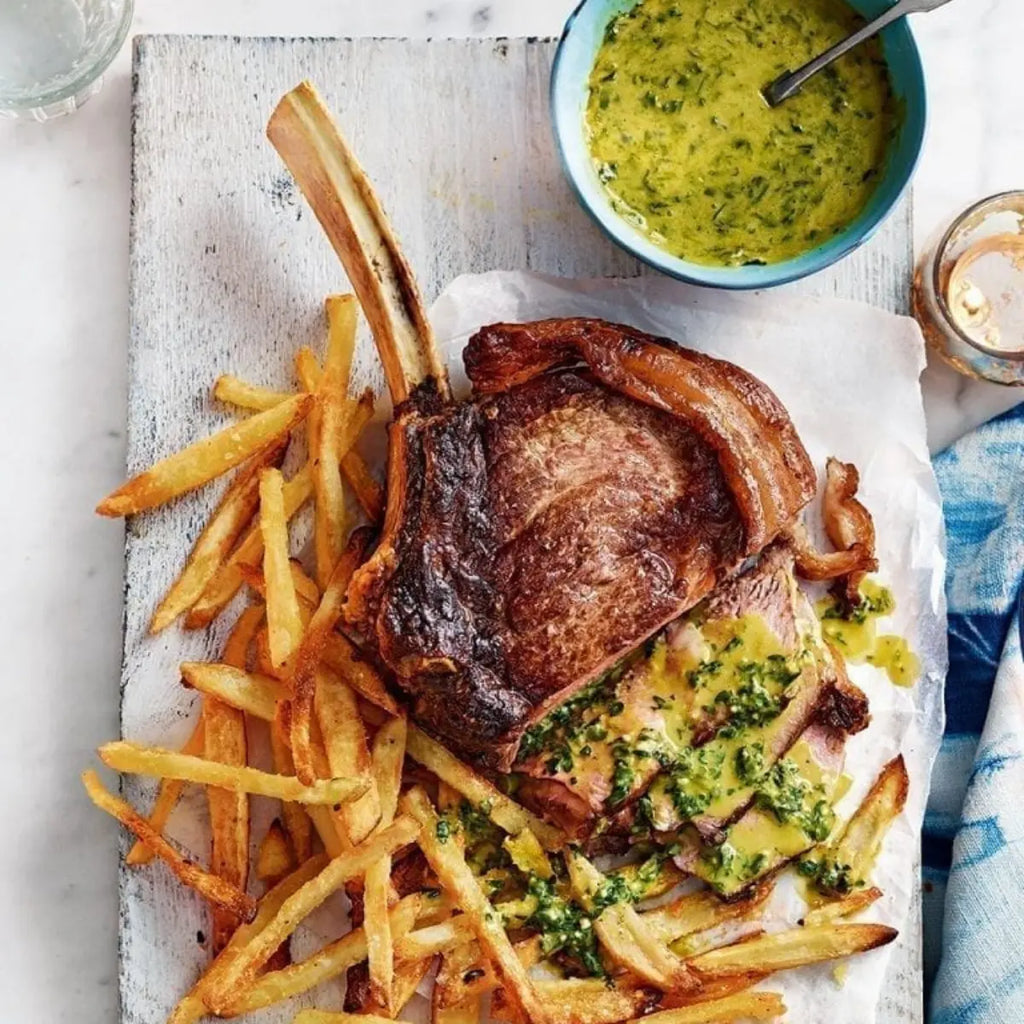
540, 531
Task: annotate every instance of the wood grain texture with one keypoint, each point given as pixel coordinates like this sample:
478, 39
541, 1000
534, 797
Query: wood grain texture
228, 274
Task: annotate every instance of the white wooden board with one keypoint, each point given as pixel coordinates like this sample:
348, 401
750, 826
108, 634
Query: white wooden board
228, 272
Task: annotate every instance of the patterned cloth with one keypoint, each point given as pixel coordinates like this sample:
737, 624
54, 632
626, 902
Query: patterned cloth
974, 826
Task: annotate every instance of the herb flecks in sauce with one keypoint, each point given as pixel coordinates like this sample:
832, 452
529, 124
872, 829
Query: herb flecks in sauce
692, 155
854, 633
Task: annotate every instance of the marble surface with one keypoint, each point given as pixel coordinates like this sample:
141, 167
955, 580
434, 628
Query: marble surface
63, 328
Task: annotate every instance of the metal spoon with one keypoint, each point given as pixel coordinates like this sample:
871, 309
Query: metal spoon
785, 85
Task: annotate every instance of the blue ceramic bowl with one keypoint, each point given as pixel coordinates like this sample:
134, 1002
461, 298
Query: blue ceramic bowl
574, 58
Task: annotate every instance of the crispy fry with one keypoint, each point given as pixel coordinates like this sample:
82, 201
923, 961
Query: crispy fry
368, 492
252, 692
306, 589
343, 658
331, 527
835, 910
329, 962
585, 1001
296, 818
139, 760
192, 1008
201, 462
623, 933
284, 623
743, 1006
227, 985
365, 487
274, 859
446, 1005
849, 860
386, 761
310, 650
229, 811
448, 863
780, 951
212, 888
234, 391
235, 510
167, 796
697, 911
243, 632
504, 811
338, 1017
348, 753
228, 578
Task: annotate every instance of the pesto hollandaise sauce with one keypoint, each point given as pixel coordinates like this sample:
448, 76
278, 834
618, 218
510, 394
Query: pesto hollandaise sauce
854, 633
690, 153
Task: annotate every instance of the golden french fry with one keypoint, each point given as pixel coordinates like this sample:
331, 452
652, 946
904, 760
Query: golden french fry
296, 819
742, 1006
310, 650
434, 939
327, 963
623, 934
365, 487
167, 796
274, 859
585, 1001
780, 951
338, 1017
386, 762
243, 632
447, 1006
699, 911
228, 578
342, 657
835, 910
191, 1008
348, 753
284, 623
167, 764
227, 985
229, 812
448, 863
306, 589
502, 810
201, 462
234, 391
331, 396
212, 888
251, 692
848, 861
213, 545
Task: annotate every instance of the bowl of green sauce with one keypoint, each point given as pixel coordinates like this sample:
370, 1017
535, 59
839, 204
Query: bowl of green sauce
669, 145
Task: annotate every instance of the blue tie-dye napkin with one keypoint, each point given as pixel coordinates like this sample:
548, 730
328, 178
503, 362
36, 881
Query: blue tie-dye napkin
974, 826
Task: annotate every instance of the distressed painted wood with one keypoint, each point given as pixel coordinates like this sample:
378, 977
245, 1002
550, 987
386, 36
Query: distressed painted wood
228, 270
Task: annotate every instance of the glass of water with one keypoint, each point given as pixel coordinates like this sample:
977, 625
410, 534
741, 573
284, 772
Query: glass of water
53, 52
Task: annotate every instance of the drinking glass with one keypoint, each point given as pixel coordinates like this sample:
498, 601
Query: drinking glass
53, 53
968, 292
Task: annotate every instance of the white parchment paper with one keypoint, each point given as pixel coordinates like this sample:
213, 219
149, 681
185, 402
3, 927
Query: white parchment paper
848, 373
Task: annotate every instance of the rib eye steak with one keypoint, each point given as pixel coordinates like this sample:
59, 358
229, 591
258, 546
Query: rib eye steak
554, 521
599, 483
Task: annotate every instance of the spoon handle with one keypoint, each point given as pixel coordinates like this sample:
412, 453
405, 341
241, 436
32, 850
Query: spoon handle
784, 86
